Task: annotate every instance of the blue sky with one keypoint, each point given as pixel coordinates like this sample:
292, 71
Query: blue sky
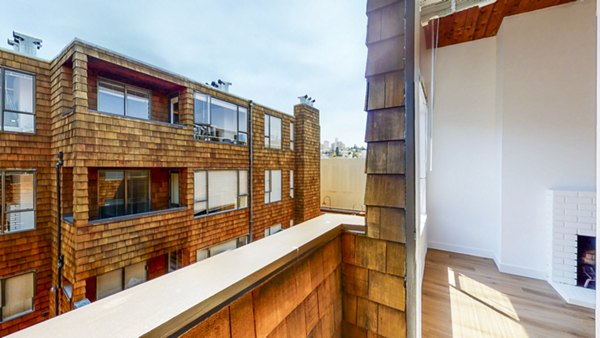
272, 51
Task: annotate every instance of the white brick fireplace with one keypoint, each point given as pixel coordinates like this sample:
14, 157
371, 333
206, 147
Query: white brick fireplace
573, 214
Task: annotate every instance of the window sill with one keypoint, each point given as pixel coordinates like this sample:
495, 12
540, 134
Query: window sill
134, 216
219, 213
177, 125
5, 233
15, 316
224, 143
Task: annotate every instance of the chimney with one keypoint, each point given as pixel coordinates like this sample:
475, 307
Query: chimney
25, 44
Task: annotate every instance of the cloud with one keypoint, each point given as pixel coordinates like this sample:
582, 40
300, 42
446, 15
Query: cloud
272, 51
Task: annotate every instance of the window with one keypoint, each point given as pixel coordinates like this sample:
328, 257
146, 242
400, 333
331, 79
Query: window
121, 99
174, 110
18, 196
272, 132
118, 280
174, 260
291, 183
174, 189
272, 186
273, 230
123, 192
17, 101
202, 254
16, 295
217, 120
291, 136
220, 190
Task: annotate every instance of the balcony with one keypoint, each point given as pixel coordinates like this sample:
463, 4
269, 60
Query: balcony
298, 280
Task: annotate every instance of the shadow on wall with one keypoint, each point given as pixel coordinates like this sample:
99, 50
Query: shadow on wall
343, 183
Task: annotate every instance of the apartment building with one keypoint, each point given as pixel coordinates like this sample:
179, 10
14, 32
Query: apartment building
156, 172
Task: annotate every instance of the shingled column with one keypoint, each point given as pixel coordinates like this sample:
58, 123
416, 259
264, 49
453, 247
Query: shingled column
307, 176
386, 191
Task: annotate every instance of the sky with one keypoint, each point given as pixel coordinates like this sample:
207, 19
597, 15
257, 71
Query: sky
271, 50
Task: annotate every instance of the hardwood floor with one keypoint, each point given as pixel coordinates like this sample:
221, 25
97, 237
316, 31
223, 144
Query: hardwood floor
466, 296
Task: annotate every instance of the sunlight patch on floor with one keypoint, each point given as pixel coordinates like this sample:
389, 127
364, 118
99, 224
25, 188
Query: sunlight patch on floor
480, 311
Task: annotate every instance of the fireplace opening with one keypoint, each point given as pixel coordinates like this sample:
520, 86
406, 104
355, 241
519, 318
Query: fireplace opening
586, 262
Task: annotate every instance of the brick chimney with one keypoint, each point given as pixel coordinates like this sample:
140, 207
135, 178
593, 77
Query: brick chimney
307, 175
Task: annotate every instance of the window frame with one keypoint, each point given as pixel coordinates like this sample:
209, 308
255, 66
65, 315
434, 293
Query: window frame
3, 212
211, 138
178, 255
270, 191
126, 190
237, 245
268, 231
125, 86
123, 286
237, 187
292, 136
292, 184
3, 100
269, 137
3, 295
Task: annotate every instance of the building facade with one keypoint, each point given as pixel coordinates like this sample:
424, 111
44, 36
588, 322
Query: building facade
157, 172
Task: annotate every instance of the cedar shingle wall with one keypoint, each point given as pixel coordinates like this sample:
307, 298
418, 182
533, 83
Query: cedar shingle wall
305, 300
30, 250
266, 215
374, 294
66, 94
308, 161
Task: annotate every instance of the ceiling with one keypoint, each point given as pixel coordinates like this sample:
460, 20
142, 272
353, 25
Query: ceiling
480, 22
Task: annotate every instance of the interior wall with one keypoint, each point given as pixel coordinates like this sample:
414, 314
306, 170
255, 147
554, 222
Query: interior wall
548, 124
514, 118
463, 193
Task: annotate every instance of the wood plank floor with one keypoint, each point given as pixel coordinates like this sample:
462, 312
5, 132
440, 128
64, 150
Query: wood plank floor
466, 296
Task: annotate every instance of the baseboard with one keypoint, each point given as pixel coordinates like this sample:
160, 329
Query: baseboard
462, 250
505, 268
521, 271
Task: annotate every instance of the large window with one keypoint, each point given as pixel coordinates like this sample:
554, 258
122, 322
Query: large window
17, 294
272, 186
123, 192
120, 99
272, 132
18, 195
17, 101
217, 120
220, 190
117, 280
214, 250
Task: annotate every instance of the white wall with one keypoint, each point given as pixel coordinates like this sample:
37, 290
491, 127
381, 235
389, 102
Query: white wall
463, 194
548, 124
343, 182
514, 117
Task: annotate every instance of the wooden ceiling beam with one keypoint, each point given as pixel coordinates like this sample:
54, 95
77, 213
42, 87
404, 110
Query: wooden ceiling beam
477, 23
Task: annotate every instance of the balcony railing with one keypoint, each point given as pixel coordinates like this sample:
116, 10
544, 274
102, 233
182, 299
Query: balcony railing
176, 302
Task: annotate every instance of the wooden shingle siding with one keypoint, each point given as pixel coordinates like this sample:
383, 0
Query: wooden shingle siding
304, 300
374, 265
67, 121
307, 178
30, 250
